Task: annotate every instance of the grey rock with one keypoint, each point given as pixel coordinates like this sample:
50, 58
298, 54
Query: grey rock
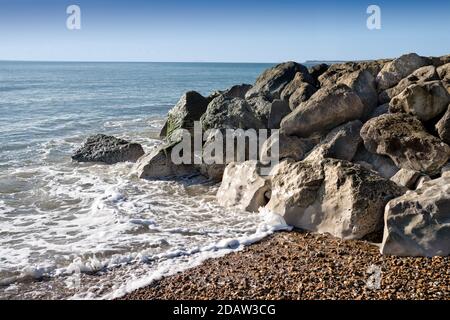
330, 196
382, 165
325, 110
406, 178
393, 72
424, 100
403, 138
443, 126
278, 110
302, 94
417, 223
272, 81
108, 149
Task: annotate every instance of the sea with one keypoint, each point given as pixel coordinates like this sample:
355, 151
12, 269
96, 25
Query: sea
92, 231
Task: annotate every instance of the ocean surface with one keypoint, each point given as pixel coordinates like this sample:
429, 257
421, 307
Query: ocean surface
70, 230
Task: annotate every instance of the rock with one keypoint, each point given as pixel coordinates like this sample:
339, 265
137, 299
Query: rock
393, 72
261, 107
330, 196
341, 143
382, 165
243, 187
421, 75
325, 110
302, 94
403, 138
444, 72
417, 223
157, 164
230, 113
443, 126
238, 91
290, 147
278, 110
406, 178
299, 80
421, 180
108, 149
439, 61
378, 111
191, 106
363, 83
316, 71
272, 81
423, 100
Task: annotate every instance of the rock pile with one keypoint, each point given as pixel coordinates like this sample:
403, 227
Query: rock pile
363, 147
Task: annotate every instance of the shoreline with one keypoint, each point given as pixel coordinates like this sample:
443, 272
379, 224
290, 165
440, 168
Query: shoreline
299, 265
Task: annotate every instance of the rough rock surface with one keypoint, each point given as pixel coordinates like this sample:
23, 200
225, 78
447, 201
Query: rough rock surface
341, 143
278, 110
393, 72
403, 138
424, 100
424, 74
230, 113
325, 110
243, 187
272, 82
191, 106
289, 147
331, 196
443, 126
382, 165
406, 178
417, 223
108, 149
302, 94
299, 80
157, 164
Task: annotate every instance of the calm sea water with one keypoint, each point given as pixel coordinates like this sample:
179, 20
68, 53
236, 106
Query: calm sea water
90, 230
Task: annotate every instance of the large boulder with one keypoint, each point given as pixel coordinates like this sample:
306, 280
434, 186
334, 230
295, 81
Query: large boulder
424, 100
225, 112
340, 143
158, 164
289, 147
403, 138
330, 196
424, 74
299, 80
406, 178
191, 106
108, 149
301, 94
363, 83
393, 72
272, 81
243, 187
382, 165
278, 110
325, 110
443, 126
417, 223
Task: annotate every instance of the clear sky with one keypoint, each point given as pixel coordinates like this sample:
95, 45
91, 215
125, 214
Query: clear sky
221, 30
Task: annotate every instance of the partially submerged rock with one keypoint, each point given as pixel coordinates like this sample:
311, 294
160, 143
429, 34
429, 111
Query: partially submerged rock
108, 149
417, 223
325, 110
403, 138
330, 196
243, 187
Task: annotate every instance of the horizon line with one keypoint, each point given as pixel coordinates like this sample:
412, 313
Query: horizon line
147, 61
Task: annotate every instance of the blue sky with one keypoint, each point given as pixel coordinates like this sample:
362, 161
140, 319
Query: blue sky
222, 31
